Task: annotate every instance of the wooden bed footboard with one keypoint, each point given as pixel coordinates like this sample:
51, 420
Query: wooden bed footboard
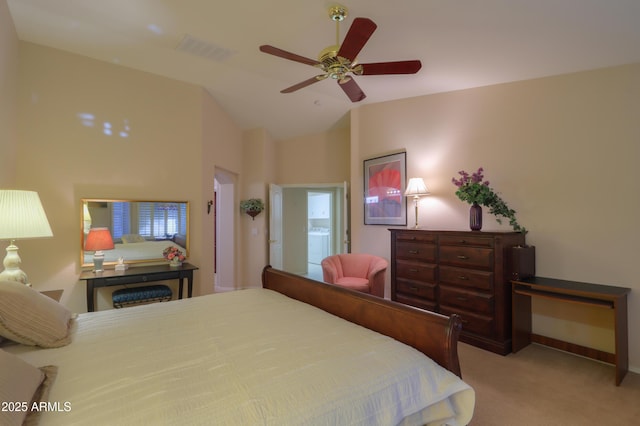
433, 334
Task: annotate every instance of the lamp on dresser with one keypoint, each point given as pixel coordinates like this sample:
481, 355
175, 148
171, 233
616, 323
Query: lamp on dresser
98, 239
417, 189
21, 216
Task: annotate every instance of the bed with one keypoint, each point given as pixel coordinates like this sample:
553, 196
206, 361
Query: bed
256, 356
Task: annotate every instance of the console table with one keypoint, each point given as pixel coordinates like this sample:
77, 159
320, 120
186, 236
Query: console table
602, 296
137, 275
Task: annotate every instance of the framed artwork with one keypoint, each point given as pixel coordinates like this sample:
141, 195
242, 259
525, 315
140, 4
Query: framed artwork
384, 185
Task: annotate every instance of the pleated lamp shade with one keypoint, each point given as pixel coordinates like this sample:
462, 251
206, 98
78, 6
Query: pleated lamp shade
21, 217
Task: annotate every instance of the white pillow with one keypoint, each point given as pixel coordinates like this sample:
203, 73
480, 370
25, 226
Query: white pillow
18, 384
31, 318
132, 238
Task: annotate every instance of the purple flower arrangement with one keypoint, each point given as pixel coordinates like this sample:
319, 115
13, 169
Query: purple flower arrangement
473, 189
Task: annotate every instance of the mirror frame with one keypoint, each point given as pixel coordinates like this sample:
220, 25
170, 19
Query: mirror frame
83, 212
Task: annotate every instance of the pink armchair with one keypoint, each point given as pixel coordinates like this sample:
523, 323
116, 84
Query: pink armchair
357, 271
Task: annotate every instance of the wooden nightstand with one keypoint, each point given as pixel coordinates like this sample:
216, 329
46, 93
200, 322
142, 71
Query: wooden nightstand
54, 294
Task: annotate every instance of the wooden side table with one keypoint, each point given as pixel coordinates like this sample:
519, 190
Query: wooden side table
602, 296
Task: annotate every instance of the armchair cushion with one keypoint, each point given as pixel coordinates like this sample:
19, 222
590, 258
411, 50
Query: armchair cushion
357, 271
354, 283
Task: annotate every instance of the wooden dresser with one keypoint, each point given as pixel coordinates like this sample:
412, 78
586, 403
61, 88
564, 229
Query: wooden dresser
466, 273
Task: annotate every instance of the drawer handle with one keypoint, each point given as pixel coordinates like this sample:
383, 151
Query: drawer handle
463, 241
463, 257
462, 299
414, 270
413, 288
414, 251
463, 278
144, 279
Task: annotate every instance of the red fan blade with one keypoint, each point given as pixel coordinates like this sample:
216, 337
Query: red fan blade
303, 84
356, 38
352, 90
288, 55
400, 67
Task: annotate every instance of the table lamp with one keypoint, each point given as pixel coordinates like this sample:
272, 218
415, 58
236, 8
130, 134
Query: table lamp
21, 216
417, 189
97, 240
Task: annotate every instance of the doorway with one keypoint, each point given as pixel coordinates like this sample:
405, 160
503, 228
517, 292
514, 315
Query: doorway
313, 224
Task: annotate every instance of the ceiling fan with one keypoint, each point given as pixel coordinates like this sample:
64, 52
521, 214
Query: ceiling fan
338, 61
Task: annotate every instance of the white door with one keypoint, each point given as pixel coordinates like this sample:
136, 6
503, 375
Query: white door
275, 226
346, 232
225, 215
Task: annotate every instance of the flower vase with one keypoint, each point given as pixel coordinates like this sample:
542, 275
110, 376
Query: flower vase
175, 263
475, 217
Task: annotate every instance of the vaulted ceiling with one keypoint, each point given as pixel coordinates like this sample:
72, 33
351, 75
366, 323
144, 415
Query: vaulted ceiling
461, 44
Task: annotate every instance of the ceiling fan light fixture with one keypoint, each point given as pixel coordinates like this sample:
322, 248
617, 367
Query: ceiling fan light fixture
337, 13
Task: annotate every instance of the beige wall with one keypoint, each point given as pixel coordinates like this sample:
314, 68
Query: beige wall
221, 148
258, 148
562, 151
8, 96
177, 135
319, 158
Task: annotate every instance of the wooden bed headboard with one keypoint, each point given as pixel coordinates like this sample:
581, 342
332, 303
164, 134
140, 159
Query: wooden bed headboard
433, 334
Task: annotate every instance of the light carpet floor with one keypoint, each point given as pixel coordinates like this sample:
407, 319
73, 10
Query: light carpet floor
540, 386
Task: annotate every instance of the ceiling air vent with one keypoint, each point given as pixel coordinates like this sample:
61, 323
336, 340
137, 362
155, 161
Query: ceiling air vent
194, 46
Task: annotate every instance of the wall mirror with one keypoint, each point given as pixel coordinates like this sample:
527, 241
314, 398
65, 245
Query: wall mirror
140, 230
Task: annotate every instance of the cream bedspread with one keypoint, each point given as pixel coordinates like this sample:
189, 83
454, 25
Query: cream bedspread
250, 357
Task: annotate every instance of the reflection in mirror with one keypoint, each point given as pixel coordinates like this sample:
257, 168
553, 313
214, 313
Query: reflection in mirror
141, 230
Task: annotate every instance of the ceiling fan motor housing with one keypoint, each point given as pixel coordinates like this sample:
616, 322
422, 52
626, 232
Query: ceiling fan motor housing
335, 66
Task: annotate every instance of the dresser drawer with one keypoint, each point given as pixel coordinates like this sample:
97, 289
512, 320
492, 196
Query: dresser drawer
415, 289
415, 237
416, 251
481, 280
473, 323
465, 240
467, 257
424, 272
472, 301
429, 305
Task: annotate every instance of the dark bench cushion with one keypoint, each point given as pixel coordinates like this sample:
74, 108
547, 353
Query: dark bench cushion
138, 295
